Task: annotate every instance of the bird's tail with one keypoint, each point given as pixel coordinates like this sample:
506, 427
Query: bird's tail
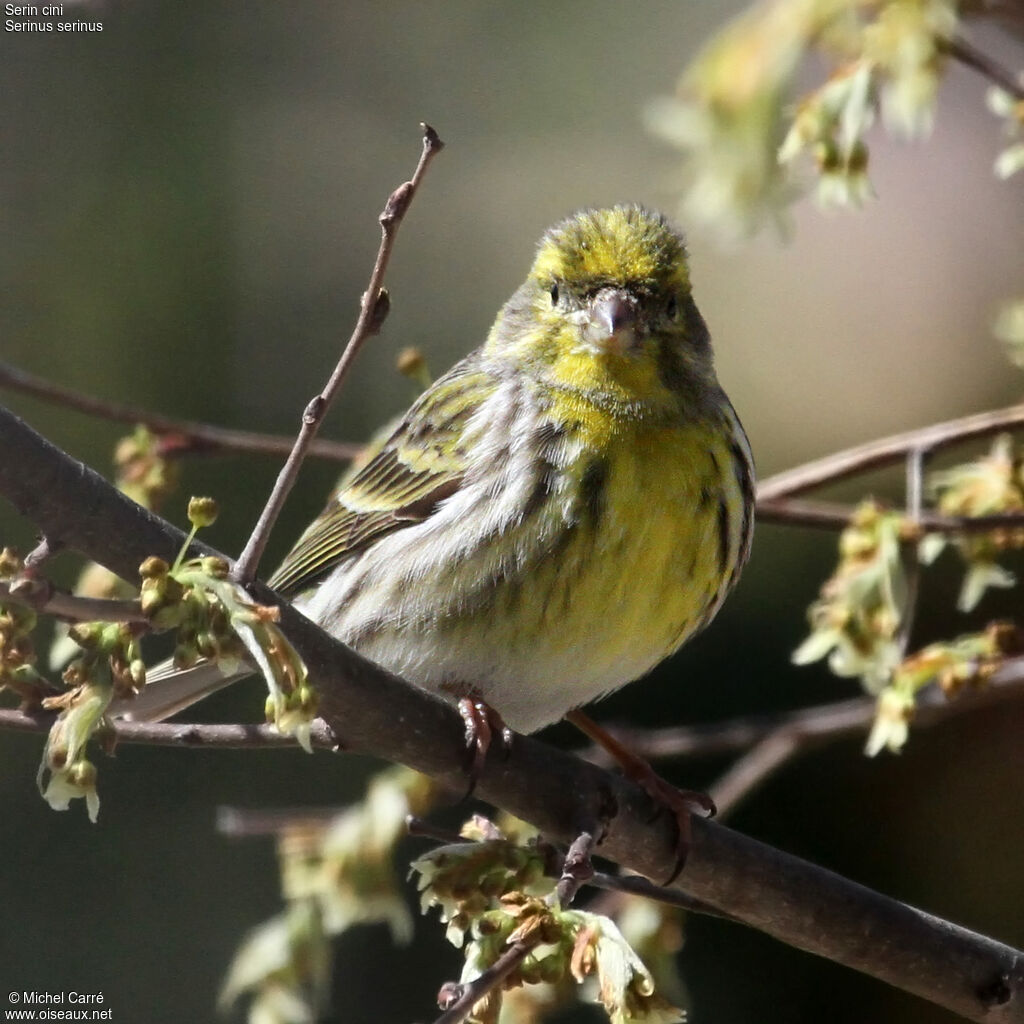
169, 690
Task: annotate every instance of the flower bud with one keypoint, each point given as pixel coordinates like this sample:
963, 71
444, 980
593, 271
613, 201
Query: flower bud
202, 512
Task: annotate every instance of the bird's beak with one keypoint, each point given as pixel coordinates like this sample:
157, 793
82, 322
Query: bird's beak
611, 321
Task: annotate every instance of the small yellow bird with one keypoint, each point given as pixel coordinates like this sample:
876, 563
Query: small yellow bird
555, 515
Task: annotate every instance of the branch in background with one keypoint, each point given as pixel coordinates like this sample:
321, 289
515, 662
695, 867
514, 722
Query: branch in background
833, 515
775, 495
178, 437
372, 312
374, 712
888, 450
968, 55
770, 741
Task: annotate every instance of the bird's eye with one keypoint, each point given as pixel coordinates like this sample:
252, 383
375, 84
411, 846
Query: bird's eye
553, 292
672, 307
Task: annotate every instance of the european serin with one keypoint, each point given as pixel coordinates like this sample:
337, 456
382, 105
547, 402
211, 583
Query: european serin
560, 511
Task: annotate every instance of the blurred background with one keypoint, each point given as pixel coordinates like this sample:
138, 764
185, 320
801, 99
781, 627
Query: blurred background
189, 203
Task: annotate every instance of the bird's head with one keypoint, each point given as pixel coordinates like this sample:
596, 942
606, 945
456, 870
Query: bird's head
607, 304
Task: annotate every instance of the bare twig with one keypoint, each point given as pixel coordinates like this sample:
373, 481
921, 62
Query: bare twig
178, 437
246, 822
458, 999
576, 869
753, 769
631, 885
970, 56
888, 450
372, 312
43, 597
190, 734
833, 515
772, 741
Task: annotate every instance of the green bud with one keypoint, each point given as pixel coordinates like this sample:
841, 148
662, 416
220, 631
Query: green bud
206, 644
826, 156
153, 567
214, 566
82, 774
202, 512
185, 656
10, 563
88, 635
137, 672
410, 363
857, 158
307, 699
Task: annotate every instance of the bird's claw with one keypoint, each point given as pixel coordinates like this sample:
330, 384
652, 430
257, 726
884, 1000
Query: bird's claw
482, 724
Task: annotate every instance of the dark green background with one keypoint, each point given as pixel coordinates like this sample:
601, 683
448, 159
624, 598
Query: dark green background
189, 202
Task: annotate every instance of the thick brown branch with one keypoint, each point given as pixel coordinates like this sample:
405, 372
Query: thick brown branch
374, 712
372, 311
179, 436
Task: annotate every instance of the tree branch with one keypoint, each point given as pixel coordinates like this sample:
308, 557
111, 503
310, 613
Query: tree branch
44, 597
372, 312
235, 736
888, 450
970, 56
372, 711
178, 437
834, 515
770, 741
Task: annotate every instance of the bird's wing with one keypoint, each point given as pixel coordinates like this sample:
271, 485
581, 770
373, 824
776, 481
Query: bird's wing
422, 462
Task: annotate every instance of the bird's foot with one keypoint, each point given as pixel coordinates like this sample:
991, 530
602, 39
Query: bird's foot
682, 804
483, 724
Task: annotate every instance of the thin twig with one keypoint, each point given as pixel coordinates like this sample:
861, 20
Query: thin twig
246, 822
887, 450
577, 869
373, 310
834, 515
179, 437
813, 726
43, 597
753, 769
458, 1000
189, 734
968, 55
630, 885
637, 885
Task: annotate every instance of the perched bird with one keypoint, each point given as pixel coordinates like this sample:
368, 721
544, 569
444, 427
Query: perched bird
561, 510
